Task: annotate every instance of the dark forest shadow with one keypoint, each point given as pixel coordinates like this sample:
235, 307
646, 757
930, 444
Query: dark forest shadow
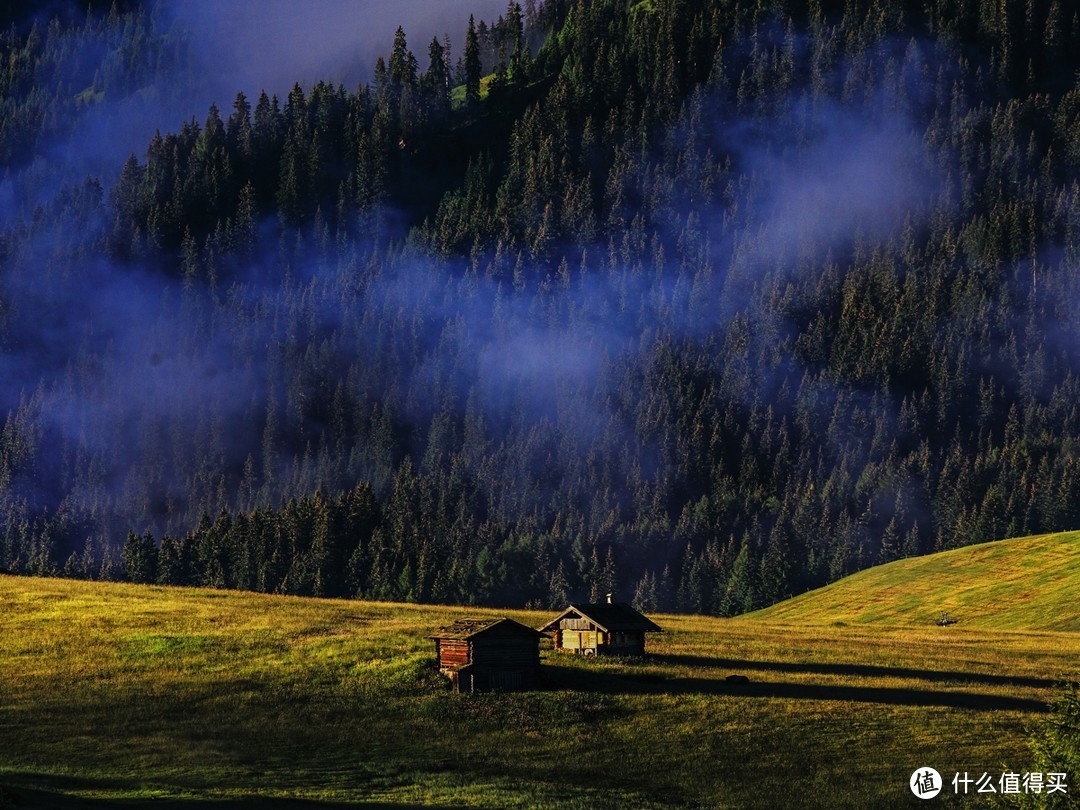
866, 670
581, 678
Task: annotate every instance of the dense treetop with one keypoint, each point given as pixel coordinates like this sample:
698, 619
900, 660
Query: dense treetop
704, 302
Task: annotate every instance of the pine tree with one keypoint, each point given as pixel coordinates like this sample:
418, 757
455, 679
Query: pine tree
436, 83
139, 558
472, 65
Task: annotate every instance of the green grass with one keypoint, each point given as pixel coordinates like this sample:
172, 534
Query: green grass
1029, 583
457, 94
122, 695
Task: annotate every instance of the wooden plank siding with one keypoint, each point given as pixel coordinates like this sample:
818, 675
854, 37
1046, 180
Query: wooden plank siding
621, 643
571, 640
479, 655
452, 652
611, 628
499, 652
628, 643
577, 624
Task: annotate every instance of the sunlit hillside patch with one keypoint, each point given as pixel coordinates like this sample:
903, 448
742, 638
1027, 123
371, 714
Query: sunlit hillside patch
1023, 584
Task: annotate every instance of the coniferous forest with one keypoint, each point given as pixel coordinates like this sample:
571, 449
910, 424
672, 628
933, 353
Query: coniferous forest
704, 302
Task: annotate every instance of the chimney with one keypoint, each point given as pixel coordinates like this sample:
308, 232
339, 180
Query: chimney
609, 598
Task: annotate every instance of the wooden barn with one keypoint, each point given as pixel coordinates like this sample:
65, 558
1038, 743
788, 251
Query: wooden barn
489, 654
603, 628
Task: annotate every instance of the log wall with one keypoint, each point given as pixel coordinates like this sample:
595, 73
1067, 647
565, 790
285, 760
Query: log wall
452, 652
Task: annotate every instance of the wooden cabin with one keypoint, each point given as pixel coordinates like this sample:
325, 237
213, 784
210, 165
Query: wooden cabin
479, 655
602, 628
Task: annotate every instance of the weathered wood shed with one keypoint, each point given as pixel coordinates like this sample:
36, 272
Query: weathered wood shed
601, 628
489, 654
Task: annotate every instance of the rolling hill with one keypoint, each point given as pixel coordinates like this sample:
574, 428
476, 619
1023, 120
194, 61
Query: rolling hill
1028, 583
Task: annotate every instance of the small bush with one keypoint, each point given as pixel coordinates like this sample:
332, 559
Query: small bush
1055, 746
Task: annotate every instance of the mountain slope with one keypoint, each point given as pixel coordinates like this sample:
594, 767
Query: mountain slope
1027, 583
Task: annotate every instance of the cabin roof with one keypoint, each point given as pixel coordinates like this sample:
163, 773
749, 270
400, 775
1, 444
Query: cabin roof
609, 617
472, 627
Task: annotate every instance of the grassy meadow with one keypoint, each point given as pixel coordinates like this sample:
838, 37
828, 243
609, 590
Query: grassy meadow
1028, 583
116, 695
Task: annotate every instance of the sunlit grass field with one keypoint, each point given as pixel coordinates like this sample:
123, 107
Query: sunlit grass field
118, 695
1028, 583
457, 94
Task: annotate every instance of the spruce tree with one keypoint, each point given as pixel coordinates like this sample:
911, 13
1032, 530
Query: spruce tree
472, 65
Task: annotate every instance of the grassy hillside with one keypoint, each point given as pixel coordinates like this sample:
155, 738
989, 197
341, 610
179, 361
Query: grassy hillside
1030, 583
121, 695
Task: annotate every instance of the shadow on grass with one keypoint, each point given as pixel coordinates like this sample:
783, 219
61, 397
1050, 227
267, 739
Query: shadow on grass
582, 678
50, 792
864, 670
